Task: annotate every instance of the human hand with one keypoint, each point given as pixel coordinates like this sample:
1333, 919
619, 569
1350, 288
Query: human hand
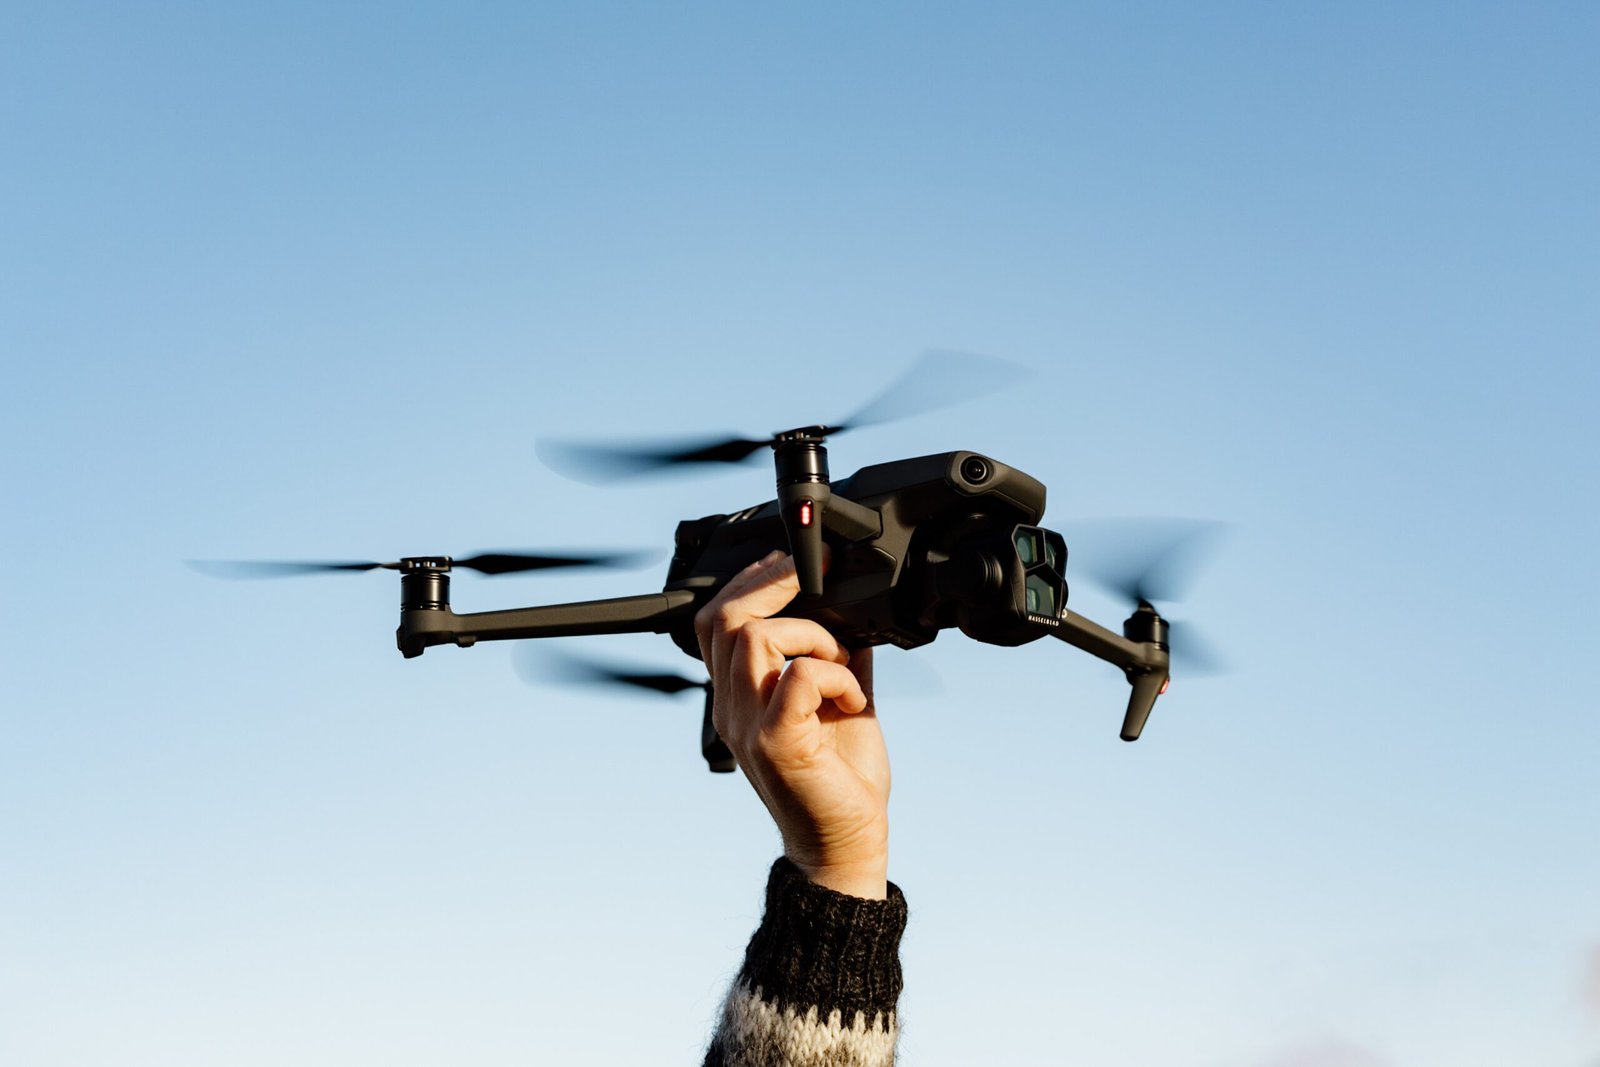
806, 734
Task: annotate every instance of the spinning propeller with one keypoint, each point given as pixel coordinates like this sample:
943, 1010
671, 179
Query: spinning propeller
483, 563
1150, 560
937, 379
537, 668
542, 666
800, 456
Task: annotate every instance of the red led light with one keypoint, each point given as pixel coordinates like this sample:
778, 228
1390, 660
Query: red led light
805, 513
1165, 684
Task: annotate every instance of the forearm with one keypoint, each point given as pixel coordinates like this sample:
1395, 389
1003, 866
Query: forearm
820, 980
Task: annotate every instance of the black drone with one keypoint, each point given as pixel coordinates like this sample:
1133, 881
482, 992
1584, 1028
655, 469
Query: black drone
917, 545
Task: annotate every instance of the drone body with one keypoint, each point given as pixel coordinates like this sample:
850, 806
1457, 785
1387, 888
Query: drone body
902, 577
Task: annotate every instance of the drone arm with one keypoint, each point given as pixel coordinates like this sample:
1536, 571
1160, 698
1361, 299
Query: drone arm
1084, 633
651, 613
809, 507
803, 505
852, 521
1144, 662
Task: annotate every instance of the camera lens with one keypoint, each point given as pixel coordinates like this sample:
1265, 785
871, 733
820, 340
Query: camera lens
1041, 595
975, 469
1027, 548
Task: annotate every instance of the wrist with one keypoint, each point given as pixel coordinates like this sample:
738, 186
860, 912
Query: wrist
854, 861
867, 878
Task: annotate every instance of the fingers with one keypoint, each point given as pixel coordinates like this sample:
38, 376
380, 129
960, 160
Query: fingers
715, 616
762, 589
763, 645
746, 651
751, 660
768, 567
806, 684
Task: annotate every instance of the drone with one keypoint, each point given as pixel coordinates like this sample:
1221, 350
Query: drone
913, 546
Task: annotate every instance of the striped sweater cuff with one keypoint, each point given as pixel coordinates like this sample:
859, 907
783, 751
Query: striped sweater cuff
820, 980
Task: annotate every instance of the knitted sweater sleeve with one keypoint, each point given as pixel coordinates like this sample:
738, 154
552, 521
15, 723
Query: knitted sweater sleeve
819, 983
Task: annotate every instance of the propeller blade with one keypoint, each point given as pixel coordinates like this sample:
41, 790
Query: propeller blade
517, 562
1143, 560
483, 563
1192, 655
597, 464
937, 379
242, 568
564, 667
1149, 560
660, 683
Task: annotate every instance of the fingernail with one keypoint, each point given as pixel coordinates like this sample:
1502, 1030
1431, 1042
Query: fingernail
772, 557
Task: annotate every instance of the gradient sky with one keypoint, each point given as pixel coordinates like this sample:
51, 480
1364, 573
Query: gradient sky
310, 280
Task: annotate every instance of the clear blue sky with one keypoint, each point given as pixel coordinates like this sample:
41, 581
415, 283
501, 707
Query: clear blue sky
310, 279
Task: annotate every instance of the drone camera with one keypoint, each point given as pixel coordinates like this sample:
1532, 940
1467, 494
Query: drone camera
1012, 586
1043, 555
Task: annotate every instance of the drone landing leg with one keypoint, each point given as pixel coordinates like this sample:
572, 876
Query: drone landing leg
1147, 685
719, 757
1144, 662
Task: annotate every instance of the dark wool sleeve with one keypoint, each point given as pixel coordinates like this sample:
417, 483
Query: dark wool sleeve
820, 980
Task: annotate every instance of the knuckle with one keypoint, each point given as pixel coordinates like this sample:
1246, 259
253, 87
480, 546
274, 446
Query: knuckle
804, 670
826, 645
711, 618
760, 635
